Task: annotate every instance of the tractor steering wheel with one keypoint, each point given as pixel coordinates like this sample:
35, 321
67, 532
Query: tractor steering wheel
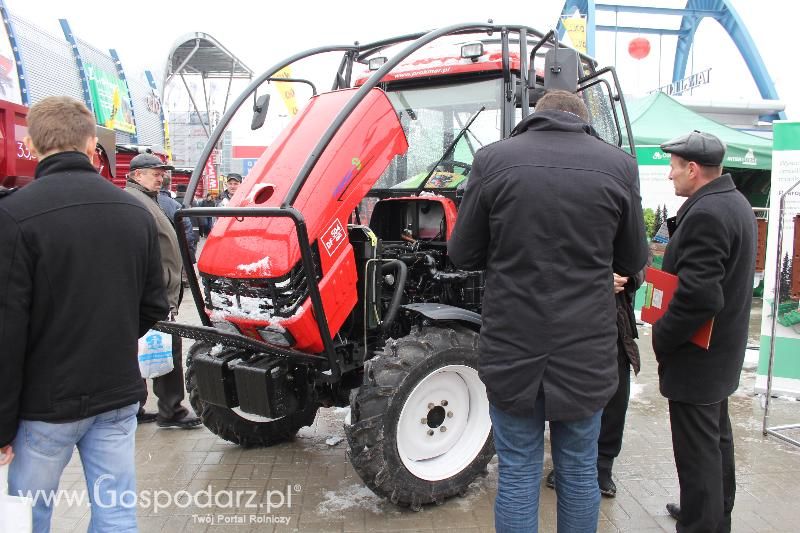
452, 163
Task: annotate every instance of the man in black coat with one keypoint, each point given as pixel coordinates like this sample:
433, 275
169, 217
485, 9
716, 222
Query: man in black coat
550, 214
80, 282
712, 250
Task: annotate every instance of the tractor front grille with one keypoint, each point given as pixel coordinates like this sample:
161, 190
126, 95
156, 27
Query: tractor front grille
262, 298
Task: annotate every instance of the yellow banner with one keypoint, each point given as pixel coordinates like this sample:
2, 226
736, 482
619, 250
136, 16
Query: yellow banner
576, 29
286, 90
167, 141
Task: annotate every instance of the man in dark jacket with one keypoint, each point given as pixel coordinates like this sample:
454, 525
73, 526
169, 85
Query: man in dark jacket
80, 282
170, 206
612, 423
550, 213
233, 181
147, 172
712, 250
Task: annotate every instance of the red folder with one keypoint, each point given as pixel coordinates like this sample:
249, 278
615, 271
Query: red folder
661, 287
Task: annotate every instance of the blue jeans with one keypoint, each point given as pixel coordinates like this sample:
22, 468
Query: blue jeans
519, 441
106, 445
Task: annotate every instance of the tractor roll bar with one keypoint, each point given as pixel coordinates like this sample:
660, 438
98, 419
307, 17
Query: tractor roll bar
372, 82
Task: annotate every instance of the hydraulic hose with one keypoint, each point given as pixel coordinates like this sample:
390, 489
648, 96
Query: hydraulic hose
400, 284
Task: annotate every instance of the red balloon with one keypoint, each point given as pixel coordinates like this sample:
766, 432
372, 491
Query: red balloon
639, 48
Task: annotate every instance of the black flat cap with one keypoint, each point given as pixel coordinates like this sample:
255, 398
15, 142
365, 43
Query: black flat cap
148, 161
702, 148
234, 176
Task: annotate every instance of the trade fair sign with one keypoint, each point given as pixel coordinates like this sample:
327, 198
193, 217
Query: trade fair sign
9, 79
785, 173
110, 98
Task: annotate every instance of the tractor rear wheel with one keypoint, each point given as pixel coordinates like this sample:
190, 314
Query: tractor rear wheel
237, 426
419, 428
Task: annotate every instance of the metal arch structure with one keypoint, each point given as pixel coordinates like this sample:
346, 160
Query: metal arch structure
199, 54
76, 54
695, 11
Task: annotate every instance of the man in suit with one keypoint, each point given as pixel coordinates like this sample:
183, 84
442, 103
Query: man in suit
712, 250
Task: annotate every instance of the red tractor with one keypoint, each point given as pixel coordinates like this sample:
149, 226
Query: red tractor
326, 280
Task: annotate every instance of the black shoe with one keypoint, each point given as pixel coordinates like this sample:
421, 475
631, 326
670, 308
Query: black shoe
550, 480
187, 422
143, 417
674, 510
607, 486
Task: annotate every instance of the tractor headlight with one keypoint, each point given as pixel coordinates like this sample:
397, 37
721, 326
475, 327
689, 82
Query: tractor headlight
472, 51
225, 326
274, 334
376, 62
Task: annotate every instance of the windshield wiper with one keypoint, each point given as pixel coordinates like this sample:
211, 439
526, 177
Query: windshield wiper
449, 148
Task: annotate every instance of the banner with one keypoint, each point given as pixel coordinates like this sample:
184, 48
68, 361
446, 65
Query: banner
785, 173
286, 90
212, 183
110, 98
575, 27
9, 80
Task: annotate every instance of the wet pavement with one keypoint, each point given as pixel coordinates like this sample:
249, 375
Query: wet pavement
309, 485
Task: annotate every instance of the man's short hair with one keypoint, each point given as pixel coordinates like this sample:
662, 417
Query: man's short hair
60, 124
559, 100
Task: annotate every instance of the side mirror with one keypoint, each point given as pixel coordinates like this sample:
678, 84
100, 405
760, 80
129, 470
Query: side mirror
260, 111
561, 69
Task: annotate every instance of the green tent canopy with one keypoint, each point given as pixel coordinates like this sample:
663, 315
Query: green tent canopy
657, 118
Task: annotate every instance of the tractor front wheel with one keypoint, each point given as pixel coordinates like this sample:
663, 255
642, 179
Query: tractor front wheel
237, 426
420, 430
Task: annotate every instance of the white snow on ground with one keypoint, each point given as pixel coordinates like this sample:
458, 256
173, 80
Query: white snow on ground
333, 441
636, 392
262, 267
751, 358
478, 488
350, 497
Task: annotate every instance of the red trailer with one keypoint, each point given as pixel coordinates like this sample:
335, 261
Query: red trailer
17, 164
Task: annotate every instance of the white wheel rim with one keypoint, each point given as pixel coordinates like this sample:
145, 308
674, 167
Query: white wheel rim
452, 397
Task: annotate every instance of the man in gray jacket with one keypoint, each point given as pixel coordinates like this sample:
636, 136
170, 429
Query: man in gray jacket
550, 214
144, 181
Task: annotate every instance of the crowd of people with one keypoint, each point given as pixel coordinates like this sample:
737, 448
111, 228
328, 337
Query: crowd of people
552, 214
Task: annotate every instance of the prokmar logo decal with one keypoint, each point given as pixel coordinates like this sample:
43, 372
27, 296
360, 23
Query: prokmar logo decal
750, 158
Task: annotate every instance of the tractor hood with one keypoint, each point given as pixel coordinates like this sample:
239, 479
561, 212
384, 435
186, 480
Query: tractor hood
347, 169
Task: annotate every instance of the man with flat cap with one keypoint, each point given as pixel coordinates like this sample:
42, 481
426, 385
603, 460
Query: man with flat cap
712, 250
147, 173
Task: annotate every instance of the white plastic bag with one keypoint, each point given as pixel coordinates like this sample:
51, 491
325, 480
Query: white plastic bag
155, 354
16, 512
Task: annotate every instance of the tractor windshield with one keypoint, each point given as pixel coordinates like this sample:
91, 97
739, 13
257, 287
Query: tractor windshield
432, 118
